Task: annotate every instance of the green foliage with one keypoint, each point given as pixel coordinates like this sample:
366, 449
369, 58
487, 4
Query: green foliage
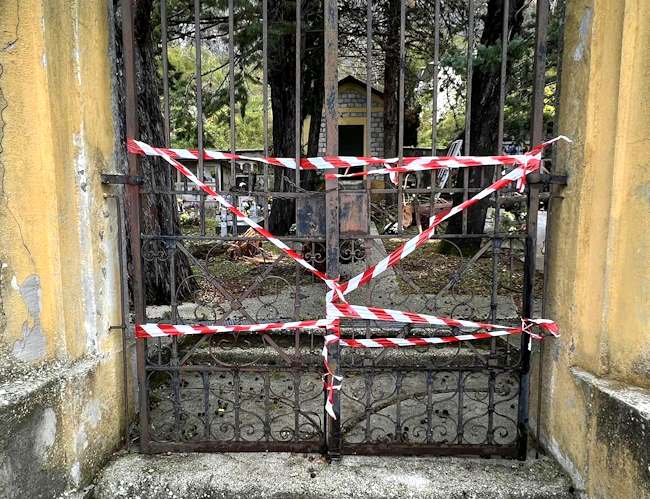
216, 111
248, 90
453, 75
450, 126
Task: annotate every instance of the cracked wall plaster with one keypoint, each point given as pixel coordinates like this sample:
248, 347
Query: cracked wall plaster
32, 347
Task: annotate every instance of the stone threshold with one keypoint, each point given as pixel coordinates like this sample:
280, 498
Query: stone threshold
285, 475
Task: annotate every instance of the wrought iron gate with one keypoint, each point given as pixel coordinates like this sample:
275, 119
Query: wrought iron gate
244, 392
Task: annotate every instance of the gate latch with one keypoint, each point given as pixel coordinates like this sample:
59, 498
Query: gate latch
114, 178
546, 179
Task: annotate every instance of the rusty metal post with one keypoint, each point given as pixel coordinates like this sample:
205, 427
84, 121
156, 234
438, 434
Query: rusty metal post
265, 106
331, 197
165, 69
400, 113
536, 136
199, 107
368, 243
434, 99
133, 212
470, 74
468, 104
232, 110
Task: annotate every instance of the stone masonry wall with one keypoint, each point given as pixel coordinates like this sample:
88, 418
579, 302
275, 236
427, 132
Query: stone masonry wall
352, 105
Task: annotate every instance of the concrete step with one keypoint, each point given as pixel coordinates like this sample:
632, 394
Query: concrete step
284, 475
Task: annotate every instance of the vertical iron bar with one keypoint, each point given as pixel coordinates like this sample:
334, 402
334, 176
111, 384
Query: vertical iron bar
434, 99
267, 400
124, 310
399, 377
205, 382
400, 117
539, 72
175, 374
333, 439
165, 67
502, 78
236, 386
460, 423
265, 105
133, 211
470, 72
296, 404
496, 252
429, 418
298, 126
298, 107
434, 82
536, 135
368, 152
231, 89
368, 378
199, 107
496, 244
165, 77
174, 363
491, 390
368, 78
331, 133
468, 102
170, 247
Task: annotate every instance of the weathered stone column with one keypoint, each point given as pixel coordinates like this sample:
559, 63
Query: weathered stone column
596, 409
60, 368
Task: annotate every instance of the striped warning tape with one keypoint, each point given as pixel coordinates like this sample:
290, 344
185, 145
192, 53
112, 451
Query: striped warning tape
137, 147
336, 305
517, 175
316, 163
546, 325
408, 164
161, 330
417, 164
347, 311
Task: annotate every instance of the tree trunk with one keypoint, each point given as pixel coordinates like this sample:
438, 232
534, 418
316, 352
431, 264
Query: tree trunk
391, 78
158, 212
282, 76
484, 119
412, 109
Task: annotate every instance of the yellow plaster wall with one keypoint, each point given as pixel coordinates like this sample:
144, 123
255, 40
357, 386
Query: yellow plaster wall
59, 281
600, 243
58, 137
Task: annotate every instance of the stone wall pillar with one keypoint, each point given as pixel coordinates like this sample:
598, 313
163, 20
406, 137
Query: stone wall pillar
596, 406
60, 365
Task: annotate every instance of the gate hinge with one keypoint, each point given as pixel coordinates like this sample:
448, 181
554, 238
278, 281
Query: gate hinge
115, 178
546, 179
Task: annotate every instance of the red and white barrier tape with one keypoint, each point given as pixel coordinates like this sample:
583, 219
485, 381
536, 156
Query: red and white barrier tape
418, 164
317, 163
517, 175
160, 330
409, 163
330, 378
347, 311
137, 147
526, 327
334, 311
